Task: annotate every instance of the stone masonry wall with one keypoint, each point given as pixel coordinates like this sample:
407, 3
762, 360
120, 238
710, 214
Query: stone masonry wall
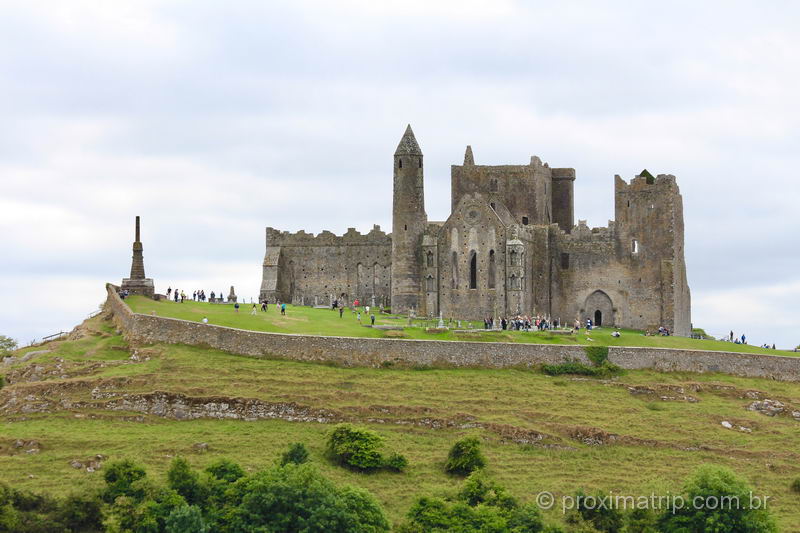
375, 352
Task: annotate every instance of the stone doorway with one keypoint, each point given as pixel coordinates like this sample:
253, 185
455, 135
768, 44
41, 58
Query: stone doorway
600, 309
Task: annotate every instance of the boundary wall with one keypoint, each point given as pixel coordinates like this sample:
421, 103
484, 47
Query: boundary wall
353, 351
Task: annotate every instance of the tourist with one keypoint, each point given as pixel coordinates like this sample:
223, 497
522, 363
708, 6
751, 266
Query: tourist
372, 319
205, 320
744, 339
183, 296
264, 305
366, 310
254, 310
616, 334
212, 296
341, 312
358, 317
283, 309
169, 291
236, 307
176, 295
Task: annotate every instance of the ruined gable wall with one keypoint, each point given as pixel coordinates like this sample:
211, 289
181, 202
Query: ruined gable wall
473, 225
316, 267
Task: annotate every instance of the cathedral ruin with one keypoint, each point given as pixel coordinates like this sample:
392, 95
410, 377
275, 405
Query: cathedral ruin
509, 246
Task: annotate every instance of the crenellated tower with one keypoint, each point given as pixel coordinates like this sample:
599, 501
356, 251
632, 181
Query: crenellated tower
408, 224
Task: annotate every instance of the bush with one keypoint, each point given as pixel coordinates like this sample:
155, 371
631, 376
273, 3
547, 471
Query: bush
795, 486
601, 517
82, 513
120, 478
299, 498
465, 457
396, 462
605, 370
355, 447
225, 470
297, 454
715, 482
596, 354
185, 481
186, 519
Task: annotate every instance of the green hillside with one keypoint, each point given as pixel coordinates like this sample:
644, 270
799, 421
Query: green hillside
312, 321
641, 433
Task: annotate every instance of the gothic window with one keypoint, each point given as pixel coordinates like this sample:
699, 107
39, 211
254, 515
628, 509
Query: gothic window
513, 283
454, 267
429, 284
514, 258
493, 185
473, 270
429, 255
492, 269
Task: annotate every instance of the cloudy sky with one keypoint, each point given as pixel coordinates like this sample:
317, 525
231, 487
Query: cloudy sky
213, 120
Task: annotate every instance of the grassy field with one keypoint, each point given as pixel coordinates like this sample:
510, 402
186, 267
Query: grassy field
312, 321
663, 425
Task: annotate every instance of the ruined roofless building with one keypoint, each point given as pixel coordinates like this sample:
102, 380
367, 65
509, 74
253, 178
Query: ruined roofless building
138, 283
509, 247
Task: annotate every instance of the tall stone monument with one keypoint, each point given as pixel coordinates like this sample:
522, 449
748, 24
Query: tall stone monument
138, 283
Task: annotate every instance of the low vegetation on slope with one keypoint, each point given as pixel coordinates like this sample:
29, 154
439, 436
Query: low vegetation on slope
67, 414
311, 321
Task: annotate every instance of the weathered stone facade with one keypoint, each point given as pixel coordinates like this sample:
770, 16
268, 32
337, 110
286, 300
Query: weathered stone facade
509, 247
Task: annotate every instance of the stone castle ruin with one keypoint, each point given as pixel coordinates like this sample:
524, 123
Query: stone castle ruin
509, 246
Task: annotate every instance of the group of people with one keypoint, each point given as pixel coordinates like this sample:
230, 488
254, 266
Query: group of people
523, 323
178, 296
737, 340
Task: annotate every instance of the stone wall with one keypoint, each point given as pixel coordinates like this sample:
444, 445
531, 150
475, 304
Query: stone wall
349, 351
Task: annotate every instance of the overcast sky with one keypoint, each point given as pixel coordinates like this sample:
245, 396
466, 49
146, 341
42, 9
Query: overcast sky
212, 120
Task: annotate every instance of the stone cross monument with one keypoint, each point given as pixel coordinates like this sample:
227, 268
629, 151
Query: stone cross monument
138, 283
232, 296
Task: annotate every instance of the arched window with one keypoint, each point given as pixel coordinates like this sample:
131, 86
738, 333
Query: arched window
513, 282
514, 258
492, 270
430, 286
454, 269
430, 258
399, 163
473, 270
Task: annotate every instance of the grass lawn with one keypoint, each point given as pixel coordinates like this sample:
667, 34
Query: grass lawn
310, 321
420, 412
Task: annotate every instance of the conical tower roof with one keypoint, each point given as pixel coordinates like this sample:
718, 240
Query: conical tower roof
408, 144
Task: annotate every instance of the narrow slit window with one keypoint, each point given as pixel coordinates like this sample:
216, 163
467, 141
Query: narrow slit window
473, 271
635, 246
492, 269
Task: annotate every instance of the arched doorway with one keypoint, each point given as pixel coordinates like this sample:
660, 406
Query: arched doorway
599, 308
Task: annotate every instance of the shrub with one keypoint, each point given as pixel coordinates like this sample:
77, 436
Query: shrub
465, 457
186, 519
355, 447
596, 354
299, 498
606, 369
185, 481
479, 489
81, 512
396, 462
225, 470
297, 454
715, 482
795, 486
602, 517
120, 478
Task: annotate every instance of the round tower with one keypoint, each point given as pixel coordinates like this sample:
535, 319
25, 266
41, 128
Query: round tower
408, 224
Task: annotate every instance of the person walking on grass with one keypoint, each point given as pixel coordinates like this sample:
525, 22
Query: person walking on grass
169, 292
264, 305
283, 309
372, 319
341, 312
358, 317
236, 307
254, 310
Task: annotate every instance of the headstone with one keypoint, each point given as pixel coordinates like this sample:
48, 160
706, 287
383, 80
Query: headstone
441, 322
